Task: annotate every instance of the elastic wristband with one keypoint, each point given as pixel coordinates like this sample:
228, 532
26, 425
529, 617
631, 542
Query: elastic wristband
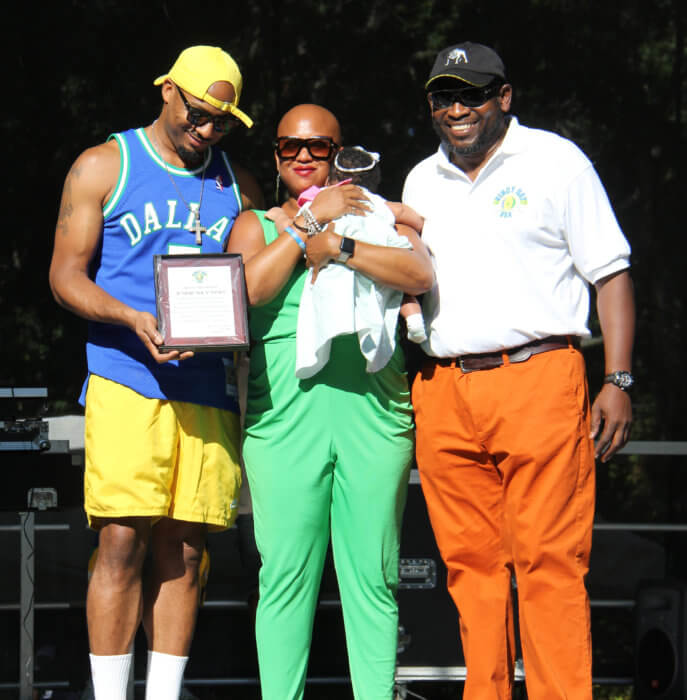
295, 237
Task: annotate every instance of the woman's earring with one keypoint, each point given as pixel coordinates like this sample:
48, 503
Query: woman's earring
276, 189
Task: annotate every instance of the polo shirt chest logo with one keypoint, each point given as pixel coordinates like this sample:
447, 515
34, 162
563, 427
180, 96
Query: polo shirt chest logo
508, 200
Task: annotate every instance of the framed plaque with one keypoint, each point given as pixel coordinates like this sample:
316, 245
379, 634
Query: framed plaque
201, 302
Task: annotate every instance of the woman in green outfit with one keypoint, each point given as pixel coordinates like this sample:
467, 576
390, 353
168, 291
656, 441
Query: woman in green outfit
329, 455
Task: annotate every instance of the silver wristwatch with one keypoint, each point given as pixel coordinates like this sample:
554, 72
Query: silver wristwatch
623, 380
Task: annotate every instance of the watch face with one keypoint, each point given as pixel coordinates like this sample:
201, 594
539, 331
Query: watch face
624, 380
347, 245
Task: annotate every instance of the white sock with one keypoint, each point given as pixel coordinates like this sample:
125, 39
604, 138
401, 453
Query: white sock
165, 675
416, 328
110, 676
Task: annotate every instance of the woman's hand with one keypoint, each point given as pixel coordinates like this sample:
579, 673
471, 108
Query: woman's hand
321, 249
333, 202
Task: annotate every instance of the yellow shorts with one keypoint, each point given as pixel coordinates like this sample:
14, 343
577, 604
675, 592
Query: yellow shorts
155, 458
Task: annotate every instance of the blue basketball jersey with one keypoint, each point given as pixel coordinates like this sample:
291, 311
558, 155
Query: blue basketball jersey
150, 213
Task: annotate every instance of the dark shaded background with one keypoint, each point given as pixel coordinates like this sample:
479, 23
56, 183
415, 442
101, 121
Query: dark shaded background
610, 75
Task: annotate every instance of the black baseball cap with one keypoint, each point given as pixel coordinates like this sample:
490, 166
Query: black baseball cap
474, 64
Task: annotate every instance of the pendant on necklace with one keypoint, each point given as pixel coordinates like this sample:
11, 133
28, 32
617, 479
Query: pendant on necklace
198, 229
195, 210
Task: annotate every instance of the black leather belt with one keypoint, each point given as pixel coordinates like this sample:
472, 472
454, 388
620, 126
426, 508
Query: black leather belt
491, 360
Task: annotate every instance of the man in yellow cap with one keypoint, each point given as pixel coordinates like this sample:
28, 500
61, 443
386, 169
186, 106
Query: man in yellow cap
162, 428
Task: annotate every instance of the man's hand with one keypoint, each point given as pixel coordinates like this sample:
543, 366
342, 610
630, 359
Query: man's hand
145, 327
279, 216
616, 307
406, 215
613, 410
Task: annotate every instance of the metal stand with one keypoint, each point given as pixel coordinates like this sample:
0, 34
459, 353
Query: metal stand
23, 436
27, 522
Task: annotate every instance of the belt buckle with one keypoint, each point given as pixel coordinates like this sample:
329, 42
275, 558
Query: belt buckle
464, 369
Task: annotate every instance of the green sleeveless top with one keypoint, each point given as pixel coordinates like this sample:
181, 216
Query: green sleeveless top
278, 401
277, 320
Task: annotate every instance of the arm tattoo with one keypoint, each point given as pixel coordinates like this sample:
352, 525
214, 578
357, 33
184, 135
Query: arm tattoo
66, 208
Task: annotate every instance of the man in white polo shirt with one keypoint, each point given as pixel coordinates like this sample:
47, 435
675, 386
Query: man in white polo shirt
519, 225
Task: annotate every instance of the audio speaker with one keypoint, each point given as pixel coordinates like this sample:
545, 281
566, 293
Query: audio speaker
429, 633
660, 645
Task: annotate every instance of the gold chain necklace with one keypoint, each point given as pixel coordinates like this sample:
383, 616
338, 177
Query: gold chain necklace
197, 228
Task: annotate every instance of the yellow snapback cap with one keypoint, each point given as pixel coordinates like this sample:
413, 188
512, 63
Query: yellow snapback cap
198, 67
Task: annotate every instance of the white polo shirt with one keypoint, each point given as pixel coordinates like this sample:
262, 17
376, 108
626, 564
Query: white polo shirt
514, 250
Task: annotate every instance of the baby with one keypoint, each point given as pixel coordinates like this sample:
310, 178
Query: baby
361, 167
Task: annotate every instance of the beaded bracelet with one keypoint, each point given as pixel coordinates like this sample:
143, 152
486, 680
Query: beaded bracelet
310, 221
296, 238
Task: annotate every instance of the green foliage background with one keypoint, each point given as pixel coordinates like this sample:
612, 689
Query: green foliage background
610, 75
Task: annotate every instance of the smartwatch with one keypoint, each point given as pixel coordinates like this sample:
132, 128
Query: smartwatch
622, 379
346, 249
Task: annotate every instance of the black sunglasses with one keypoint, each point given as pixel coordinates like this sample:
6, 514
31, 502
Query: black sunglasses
319, 147
467, 96
198, 117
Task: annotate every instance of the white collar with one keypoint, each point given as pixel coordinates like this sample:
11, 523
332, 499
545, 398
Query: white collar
512, 143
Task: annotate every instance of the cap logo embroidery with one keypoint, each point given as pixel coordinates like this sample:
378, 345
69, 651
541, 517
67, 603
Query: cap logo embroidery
457, 56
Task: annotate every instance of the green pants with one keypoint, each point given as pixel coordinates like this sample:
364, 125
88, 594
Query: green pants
328, 455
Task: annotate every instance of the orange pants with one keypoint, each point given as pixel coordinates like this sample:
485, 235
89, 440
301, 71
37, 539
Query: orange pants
507, 469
